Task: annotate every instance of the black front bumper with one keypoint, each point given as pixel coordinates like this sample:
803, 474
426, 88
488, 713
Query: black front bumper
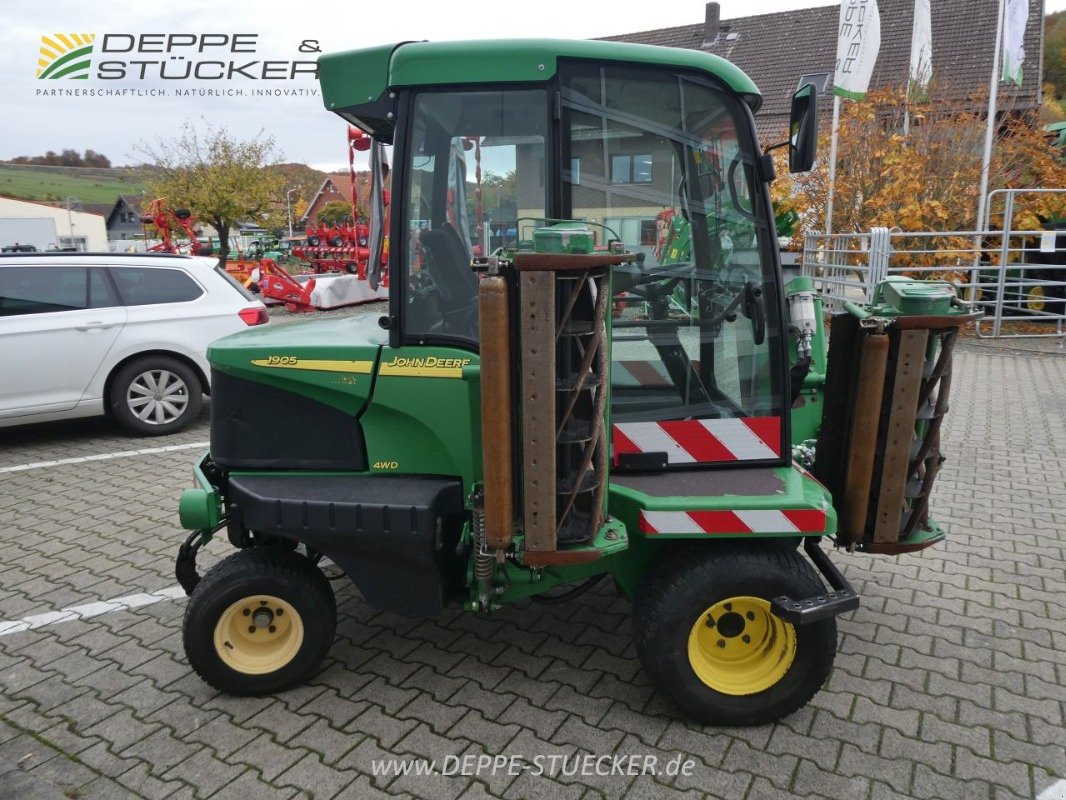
396, 536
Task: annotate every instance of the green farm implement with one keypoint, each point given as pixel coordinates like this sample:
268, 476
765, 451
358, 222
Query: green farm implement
555, 398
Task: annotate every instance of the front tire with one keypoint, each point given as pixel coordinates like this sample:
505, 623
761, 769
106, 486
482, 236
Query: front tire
709, 642
259, 622
156, 395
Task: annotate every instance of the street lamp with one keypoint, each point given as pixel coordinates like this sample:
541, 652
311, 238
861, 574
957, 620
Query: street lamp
71, 201
288, 209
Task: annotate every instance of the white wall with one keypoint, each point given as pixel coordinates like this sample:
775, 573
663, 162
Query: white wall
37, 231
78, 223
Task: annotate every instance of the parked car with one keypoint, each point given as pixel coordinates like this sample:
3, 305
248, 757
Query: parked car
121, 334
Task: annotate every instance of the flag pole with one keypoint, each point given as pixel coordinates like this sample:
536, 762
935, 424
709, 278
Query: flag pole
833, 164
990, 123
920, 71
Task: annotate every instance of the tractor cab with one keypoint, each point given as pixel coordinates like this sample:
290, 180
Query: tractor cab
656, 159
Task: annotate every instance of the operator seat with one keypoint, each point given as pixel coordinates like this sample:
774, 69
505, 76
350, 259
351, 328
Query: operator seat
448, 262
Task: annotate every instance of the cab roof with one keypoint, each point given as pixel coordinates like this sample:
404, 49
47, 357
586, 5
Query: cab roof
360, 77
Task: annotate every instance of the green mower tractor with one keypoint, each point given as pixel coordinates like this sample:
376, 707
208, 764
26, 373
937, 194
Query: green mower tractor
539, 412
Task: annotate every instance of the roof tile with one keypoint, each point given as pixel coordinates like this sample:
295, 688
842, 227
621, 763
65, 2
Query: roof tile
776, 49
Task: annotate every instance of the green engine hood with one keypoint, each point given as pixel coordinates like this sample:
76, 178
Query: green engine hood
329, 360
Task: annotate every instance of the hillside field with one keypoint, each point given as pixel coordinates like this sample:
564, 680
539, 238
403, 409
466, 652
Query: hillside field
55, 184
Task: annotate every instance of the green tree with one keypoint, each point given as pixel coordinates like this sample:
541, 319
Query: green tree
337, 213
221, 179
305, 180
497, 188
927, 179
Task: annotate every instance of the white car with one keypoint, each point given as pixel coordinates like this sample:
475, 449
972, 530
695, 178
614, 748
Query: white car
120, 334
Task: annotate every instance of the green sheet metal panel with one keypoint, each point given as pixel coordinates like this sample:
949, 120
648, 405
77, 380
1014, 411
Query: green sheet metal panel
795, 490
354, 77
424, 418
331, 361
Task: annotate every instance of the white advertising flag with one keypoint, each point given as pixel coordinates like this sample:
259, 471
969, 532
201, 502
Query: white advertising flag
858, 42
1015, 19
921, 71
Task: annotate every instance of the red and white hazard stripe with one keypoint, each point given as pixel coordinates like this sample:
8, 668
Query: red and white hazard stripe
639, 373
791, 520
700, 441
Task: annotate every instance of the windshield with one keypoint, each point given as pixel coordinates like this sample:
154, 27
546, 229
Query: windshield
665, 163
470, 152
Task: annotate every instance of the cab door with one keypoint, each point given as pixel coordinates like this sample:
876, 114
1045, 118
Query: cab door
667, 163
57, 324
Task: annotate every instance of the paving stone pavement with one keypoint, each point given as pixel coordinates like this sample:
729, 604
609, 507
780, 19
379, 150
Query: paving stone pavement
949, 681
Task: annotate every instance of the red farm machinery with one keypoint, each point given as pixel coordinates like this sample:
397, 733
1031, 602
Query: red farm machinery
336, 255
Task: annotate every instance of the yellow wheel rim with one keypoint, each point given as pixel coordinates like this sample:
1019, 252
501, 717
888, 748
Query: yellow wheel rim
258, 634
738, 647
1035, 300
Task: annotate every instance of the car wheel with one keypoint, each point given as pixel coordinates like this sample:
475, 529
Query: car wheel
156, 396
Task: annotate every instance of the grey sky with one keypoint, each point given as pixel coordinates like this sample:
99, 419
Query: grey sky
303, 129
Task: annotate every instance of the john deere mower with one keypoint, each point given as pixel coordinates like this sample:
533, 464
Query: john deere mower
570, 402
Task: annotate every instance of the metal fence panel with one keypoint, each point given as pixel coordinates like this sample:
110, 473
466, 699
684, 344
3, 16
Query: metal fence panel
1012, 275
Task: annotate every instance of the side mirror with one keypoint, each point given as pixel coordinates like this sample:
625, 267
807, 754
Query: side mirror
803, 129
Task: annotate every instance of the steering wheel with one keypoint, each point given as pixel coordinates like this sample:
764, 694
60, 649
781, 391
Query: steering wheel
748, 301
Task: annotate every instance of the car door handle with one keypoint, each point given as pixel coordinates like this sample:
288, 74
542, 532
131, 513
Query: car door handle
95, 326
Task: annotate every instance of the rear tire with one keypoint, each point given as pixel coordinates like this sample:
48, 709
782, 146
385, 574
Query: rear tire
708, 641
156, 395
259, 622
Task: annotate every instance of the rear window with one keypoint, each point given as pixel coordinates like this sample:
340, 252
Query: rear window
142, 286
236, 284
44, 290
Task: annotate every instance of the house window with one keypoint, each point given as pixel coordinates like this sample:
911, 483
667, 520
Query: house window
648, 232
78, 243
819, 80
631, 169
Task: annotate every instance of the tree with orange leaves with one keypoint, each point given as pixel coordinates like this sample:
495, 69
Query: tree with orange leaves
926, 179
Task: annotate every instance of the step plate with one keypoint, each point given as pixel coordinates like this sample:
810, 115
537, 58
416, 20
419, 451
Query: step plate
814, 609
